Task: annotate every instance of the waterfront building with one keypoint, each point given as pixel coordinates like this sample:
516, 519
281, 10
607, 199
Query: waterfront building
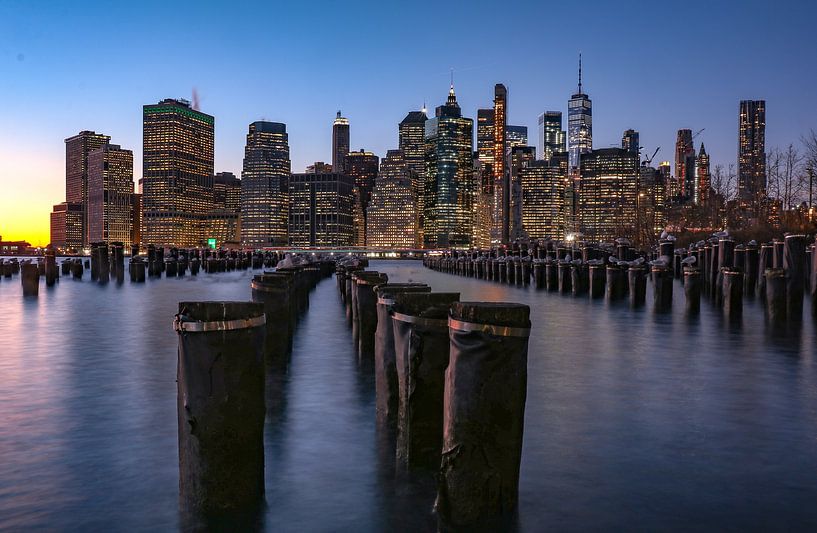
551, 135
362, 166
391, 216
340, 143
264, 201
449, 191
608, 194
703, 182
321, 210
110, 193
77, 149
579, 123
651, 204
66, 226
136, 218
752, 153
543, 185
224, 221
177, 173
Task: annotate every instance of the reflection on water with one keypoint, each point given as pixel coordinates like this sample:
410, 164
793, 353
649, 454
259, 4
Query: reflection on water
633, 417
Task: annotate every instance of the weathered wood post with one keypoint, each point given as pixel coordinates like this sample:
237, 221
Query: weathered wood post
367, 311
776, 304
484, 411
794, 261
274, 291
51, 272
732, 292
662, 288
692, 289
638, 285
220, 383
30, 279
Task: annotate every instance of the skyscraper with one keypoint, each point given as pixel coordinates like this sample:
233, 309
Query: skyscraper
502, 182
752, 153
702, 179
520, 157
223, 223
77, 149
543, 190
485, 137
391, 218
321, 210
264, 186
411, 133
608, 194
177, 170
515, 136
66, 226
448, 210
551, 134
110, 192
579, 123
685, 164
629, 141
362, 166
340, 143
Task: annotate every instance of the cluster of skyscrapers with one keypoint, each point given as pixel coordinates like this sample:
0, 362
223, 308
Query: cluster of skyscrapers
433, 191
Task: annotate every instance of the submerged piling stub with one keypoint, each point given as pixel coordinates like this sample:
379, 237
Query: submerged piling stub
484, 410
30, 279
732, 292
220, 382
794, 263
274, 291
637, 277
387, 395
662, 288
692, 289
776, 295
366, 302
420, 322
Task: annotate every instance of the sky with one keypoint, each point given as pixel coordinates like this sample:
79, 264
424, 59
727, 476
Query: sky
652, 66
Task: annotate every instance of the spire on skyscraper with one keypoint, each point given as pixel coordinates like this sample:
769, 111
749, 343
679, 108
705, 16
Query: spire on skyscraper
580, 73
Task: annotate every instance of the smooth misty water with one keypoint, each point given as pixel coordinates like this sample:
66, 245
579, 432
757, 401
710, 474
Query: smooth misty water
634, 420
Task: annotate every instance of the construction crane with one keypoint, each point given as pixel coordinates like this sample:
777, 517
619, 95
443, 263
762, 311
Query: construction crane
648, 161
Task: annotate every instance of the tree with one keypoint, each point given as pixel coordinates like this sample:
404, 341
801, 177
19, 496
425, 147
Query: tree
786, 176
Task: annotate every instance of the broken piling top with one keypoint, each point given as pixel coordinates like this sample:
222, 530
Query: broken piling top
507, 314
388, 290
425, 304
219, 313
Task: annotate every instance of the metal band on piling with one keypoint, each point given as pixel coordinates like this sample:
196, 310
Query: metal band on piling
385, 301
218, 325
256, 286
497, 331
438, 323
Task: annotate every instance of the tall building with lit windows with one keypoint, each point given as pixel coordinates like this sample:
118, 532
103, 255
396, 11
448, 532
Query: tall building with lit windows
703, 182
321, 210
110, 193
579, 123
362, 166
450, 185
520, 157
224, 221
340, 142
685, 165
608, 194
552, 137
752, 152
630, 141
502, 182
264, 186
66, 226
177, 173
485, 138
392, 213
515, 136
543, 192
77, 149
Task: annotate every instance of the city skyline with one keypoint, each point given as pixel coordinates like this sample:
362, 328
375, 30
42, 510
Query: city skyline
639, 93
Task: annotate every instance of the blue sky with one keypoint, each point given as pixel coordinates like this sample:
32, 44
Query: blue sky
69, 66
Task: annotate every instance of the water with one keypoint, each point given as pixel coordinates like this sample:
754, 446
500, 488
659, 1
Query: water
634, 420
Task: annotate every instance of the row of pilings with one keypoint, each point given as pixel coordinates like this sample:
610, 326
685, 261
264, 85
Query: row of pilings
107, 264
781, 273
228, 353
450, 386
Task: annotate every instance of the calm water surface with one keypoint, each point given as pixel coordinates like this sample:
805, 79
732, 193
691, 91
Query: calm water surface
634, 420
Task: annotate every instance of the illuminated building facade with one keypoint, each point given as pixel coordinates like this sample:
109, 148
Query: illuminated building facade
319, 167
177, 170
608, 194
66, 226
579, 123
227, 191
651, 203
752, 153
552, 137
520, 157
136, 218
502, 182
264, 186
77, 149
321, 210
483, 203
543, 192
685, 165
392, 213
411, 133
224, 221
340, 143
110, 193
703, 181
362, 166
449, 192
515, 136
